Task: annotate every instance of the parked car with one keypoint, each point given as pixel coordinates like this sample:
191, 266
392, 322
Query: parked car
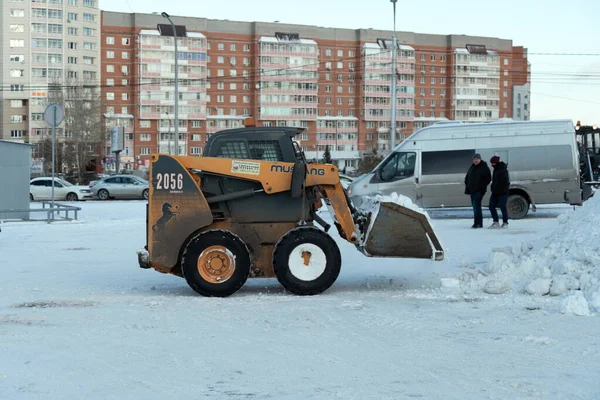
121, 187
41, 189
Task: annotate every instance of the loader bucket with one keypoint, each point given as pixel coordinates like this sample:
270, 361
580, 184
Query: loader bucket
397, 231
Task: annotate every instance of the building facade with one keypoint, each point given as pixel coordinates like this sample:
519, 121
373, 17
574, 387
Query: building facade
44, 46
521, 101
333, 82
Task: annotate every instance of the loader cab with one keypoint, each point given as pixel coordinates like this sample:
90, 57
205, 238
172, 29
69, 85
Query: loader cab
271, 144
256, 143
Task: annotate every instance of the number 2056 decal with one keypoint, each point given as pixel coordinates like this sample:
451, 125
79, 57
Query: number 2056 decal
169, 181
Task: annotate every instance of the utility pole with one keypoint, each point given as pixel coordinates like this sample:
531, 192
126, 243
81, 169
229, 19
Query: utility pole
393, 89
165, 15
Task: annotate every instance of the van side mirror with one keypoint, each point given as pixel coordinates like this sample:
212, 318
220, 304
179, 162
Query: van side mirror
298, 179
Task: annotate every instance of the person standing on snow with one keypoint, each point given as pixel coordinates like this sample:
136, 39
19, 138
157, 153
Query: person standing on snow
476, 181
499, 197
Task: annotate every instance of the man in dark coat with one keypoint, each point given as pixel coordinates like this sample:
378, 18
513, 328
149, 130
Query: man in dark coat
499, 197
476, 182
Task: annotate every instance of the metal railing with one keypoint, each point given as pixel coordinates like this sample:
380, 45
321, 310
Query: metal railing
51, 212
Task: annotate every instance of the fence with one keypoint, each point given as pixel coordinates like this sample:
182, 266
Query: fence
51, 212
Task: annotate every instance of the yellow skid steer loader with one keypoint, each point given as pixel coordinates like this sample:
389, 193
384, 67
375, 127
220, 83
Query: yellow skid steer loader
248, 209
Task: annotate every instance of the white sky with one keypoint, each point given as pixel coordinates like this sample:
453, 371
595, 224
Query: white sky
563, 86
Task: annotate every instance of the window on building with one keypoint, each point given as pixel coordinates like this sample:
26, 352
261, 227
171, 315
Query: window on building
110, 40
17, 12
17, 43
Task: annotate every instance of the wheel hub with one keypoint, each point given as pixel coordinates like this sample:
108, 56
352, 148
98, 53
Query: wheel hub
307, 262
216, 264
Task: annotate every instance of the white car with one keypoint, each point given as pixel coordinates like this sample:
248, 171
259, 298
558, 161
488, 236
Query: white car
41, 189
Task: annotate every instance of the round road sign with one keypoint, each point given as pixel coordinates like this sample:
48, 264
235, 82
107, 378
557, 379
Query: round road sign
52, 111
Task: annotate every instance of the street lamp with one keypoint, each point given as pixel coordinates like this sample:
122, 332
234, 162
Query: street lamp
165, 15
394, 47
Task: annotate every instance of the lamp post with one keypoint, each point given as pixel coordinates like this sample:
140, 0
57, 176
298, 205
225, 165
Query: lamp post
165, 15
393, 89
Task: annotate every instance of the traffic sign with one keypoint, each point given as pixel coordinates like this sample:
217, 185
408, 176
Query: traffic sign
54, 115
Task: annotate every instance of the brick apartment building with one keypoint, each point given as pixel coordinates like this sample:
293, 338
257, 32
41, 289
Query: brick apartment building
334, 82
43, 43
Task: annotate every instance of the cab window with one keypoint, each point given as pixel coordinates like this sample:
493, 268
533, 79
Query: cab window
399, 166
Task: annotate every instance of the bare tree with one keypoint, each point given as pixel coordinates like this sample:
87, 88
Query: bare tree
368, 162
83, 132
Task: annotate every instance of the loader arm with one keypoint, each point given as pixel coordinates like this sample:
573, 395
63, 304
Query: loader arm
274, 177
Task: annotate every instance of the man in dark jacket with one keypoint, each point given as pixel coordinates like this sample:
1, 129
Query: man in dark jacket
476, 182
499, 197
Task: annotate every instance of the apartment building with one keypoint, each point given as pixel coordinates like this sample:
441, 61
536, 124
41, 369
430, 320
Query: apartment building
43, 45
333, 82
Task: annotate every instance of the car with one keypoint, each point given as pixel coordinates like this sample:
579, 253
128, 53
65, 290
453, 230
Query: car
41, 189
121, 187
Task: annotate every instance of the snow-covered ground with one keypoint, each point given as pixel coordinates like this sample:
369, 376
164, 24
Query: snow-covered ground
80, 319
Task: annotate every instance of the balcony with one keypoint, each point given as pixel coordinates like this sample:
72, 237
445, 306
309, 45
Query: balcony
472, 107
387, 118
314, 92
288, 117
288, 104
288, 78
336, 155
277, 53
285, 67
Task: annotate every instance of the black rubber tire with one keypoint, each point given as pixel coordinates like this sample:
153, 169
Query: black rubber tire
30, 197
517, 206
291, 240
102, 192
145, 194
189, 263
72, 197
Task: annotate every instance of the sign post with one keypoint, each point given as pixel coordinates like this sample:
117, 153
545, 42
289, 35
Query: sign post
54, 116
117, 144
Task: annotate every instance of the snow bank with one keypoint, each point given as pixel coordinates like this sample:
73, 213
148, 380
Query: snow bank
565, 265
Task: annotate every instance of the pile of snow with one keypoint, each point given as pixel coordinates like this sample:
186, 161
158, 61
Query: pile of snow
565, 265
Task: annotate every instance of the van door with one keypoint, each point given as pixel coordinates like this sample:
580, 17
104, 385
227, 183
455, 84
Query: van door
398, 175
442, 182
